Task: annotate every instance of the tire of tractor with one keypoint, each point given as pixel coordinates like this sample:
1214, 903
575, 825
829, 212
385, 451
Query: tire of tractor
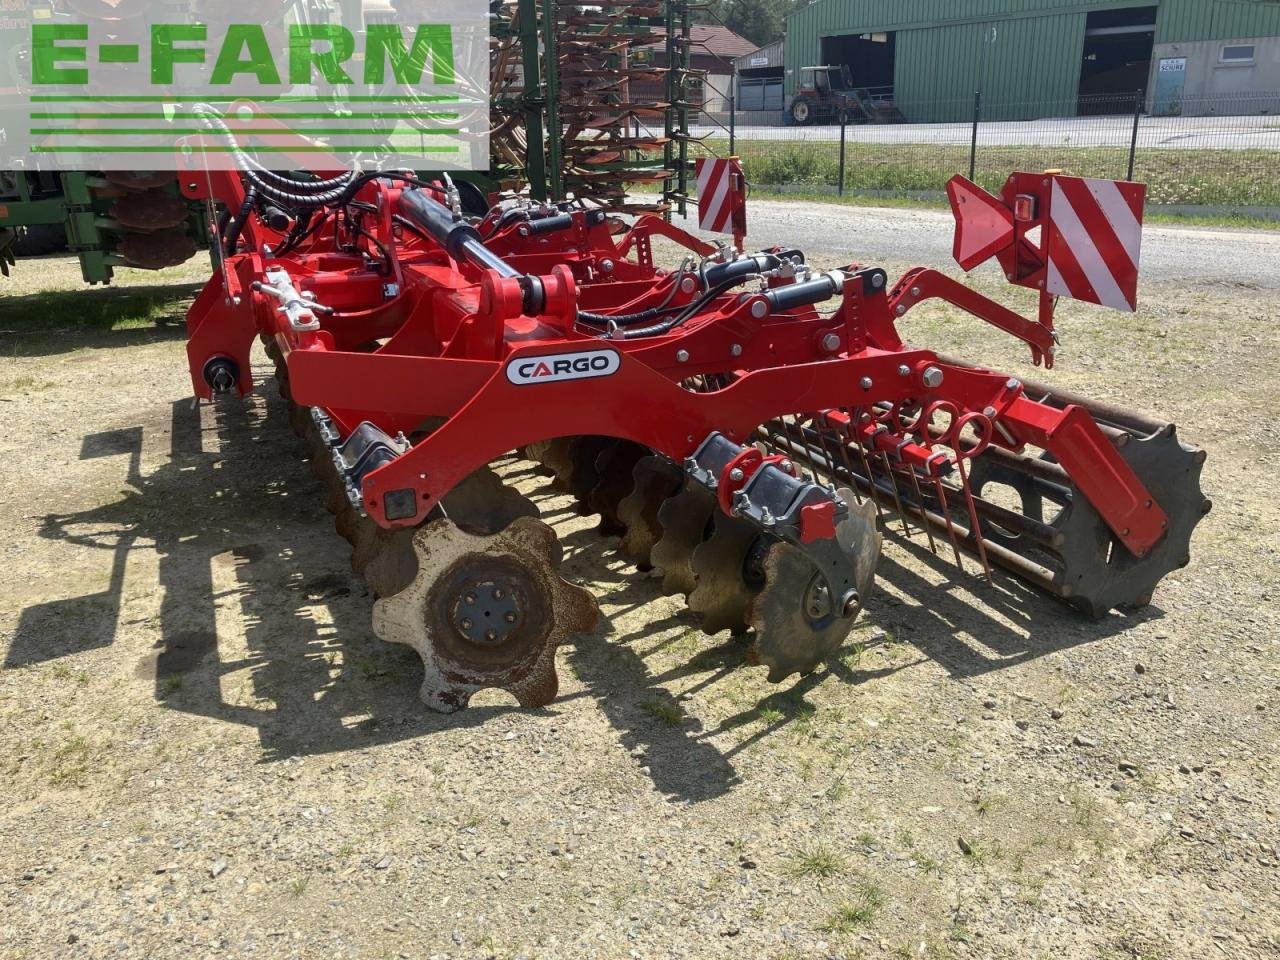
41, 240
845, 118
803, 111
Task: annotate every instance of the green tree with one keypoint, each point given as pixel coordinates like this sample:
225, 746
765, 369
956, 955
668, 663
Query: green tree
760, 21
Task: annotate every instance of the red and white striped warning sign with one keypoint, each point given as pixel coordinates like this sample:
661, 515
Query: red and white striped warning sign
1095, 241
721, 196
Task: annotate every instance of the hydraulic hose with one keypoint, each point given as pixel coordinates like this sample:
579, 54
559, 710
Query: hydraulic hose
686, 314
236, 227
740, 268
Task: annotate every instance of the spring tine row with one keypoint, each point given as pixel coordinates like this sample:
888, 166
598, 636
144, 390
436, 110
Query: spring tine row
928, 532
856, 418
897, 500
975, 525
946, 516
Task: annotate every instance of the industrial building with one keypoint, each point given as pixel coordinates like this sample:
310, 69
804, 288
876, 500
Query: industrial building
1032, 56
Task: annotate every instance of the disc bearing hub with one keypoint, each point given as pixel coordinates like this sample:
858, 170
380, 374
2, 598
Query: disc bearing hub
488, 614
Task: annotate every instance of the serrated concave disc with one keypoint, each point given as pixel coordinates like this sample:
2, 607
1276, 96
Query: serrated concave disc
788, 639
684, 520
723, 593
557, 457
156, 251
654, 480
149, 211
585, 455
615, 467
137, 179
483, 504
439, 613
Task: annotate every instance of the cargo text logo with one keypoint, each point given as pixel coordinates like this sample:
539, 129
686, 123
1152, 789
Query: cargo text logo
344, 87
528, 371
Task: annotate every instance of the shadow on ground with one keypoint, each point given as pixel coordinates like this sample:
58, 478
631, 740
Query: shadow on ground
241, 531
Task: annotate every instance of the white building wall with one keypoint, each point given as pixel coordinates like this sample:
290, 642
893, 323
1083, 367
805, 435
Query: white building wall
1214, 86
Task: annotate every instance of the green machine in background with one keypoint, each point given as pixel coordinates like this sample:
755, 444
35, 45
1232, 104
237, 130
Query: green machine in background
107, 219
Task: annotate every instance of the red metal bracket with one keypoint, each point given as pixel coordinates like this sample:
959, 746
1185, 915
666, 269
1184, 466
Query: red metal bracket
924, 284
739, 471
1096, 467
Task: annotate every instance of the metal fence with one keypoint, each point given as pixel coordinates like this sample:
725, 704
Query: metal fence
1223, 153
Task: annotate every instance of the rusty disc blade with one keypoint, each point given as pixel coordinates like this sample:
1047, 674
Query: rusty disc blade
156, 251
486, 612
686, 521
614, 471
654, 480
150, 210
729, 573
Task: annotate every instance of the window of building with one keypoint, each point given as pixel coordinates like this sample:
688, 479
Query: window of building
1237, 54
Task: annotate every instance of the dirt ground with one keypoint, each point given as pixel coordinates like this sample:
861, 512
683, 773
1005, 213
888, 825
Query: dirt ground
207, 752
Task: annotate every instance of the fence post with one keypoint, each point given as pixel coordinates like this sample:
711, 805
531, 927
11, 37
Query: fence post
973, 143
733, 111
844, 125
1139, 101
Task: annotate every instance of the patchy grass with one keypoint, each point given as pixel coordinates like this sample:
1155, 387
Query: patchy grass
47, 299
70, 762
99, 309
665, 710
818, 861
985, 803
858, 911
770, 714
839, 789
980, 851
170, 685
24, 386
928, 863
63, 672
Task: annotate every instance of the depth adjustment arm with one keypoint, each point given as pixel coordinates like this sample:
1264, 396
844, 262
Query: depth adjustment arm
920, 285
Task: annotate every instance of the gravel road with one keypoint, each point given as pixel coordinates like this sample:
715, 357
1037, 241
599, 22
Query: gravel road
205, 751
885, 235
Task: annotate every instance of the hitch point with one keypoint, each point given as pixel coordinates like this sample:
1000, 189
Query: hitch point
222, 374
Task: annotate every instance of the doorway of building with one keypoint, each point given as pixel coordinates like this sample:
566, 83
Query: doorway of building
1118, 45
870, 57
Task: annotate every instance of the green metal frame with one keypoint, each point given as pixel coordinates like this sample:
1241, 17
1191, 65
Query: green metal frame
74, 210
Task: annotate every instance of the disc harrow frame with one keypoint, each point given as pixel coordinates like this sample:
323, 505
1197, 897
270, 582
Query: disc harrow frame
732, 431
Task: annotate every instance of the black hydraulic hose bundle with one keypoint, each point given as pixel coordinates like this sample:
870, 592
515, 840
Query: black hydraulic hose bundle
426, 216
686, 314
270, 184
231, 236
717, 281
